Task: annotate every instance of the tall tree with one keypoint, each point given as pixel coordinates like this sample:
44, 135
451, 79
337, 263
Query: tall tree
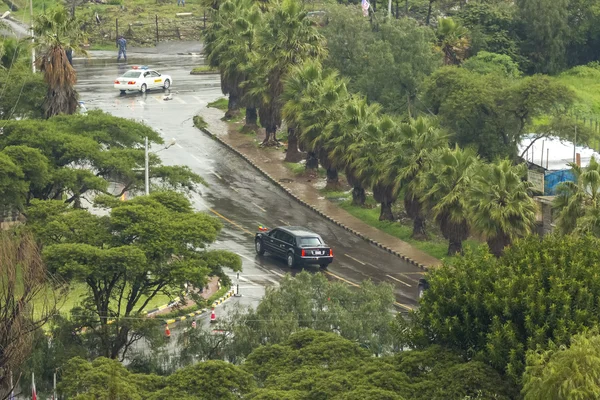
145, 246
357, 118
322, 103
577, 202
27, 302
453, 40
406, 162
287, 38
447, 183
501, 205
562, 373
370, 163
229, 42
496, 310
56, 32
545, 30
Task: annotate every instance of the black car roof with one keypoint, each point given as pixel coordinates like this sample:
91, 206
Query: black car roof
298, 231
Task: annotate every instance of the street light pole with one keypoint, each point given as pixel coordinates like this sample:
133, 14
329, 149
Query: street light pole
147, 170
32, 37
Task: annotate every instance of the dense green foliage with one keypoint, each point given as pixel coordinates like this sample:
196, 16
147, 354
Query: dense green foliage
562, 372
145, 246
44, 159
307, 365
307, 301
497, 309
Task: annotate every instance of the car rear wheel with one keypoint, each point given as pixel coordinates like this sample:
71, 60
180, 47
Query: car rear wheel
143, 88
259, 247
167, 84
290, 260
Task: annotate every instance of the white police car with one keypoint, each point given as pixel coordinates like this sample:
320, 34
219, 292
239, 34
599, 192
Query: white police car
141, 78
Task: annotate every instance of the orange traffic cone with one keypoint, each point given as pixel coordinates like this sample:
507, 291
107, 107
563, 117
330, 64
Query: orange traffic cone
213, 316
167, 332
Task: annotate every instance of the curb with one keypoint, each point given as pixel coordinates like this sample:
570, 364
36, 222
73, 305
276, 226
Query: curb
201, 311
315, 209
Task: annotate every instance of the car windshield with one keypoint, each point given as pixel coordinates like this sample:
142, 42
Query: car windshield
310, 241
131, 74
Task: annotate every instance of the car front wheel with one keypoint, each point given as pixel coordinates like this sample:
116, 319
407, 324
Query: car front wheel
259, 247
290, 260
143, 88
167, 84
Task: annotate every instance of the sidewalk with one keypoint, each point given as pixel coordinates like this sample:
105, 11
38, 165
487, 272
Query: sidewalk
213, 287
270, 163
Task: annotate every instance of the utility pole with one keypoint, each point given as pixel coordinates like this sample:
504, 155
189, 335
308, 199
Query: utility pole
147, 171
575, 141
390, 9
32, 37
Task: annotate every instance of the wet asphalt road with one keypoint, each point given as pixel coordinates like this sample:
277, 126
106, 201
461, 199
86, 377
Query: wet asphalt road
237, 194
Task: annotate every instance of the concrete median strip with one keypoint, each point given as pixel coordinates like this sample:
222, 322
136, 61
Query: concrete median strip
315, 209
217, 302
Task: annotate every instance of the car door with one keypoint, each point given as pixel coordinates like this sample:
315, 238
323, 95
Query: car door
270, 242
157, 80
279, 244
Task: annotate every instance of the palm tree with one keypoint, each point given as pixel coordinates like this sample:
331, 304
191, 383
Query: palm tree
501, 207
578, 202
453, 40
228, 44
358, 117
322, 103
287, 38
447, 183
294, 87
56, 32
409, 159
369, 163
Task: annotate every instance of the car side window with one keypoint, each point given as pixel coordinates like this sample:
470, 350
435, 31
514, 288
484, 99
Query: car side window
154, 74
275, 234
289, 239
146, 74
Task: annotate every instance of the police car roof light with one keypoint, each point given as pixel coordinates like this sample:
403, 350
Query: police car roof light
139, 67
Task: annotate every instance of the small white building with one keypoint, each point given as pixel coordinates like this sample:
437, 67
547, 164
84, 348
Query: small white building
554, 154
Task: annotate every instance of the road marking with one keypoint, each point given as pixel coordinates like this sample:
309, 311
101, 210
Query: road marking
342, 279
352, 258
215, 174
178, 145
234, 189
283, 222
398, 280
142, 103
414, 273
179, 100
277, 273
199, 99
246, 257
403, 306
259, 207
409, 278
231, 222
196, 158
156, 98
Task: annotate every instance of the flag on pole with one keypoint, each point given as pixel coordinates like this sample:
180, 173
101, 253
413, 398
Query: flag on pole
365, 7
33, 392
12, 391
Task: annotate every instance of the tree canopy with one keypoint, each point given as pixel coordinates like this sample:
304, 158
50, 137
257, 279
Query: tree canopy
145, 246
495, 310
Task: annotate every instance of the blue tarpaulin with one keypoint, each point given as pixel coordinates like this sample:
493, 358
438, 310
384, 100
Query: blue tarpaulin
553, 178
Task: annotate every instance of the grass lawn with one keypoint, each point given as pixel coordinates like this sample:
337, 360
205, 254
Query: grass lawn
220, 104
136, 20
78, 290
204, 69
436, 246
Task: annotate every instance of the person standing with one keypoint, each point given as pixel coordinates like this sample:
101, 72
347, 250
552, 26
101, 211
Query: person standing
182, 2
70, 55
122, 45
